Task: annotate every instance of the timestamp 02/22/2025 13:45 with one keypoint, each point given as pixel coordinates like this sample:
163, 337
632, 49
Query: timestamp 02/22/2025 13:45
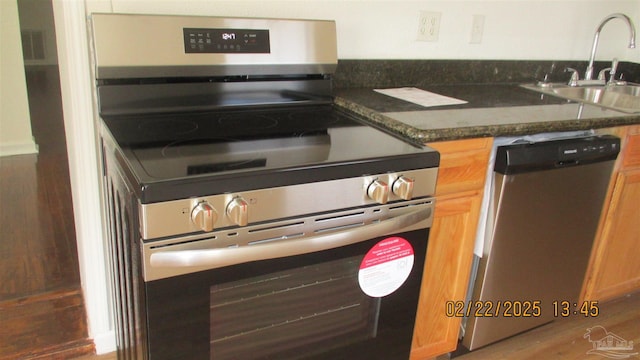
518, 308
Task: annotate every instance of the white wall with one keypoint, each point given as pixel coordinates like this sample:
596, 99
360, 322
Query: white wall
514, 29
15, 122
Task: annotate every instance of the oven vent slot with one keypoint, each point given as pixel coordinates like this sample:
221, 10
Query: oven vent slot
193, 240
404, 206
339, 227
276, 227
340, 222
338, 217
283, 237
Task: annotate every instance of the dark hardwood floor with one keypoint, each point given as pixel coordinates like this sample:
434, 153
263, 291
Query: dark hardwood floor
42, 311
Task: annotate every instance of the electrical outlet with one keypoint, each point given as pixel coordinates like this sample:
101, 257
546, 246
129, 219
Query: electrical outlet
477, 28
429, 26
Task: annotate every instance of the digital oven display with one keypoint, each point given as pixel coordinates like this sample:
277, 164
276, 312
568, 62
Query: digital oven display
226, 41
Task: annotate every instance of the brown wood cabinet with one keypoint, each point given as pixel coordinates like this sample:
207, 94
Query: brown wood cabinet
463, 165
614, 269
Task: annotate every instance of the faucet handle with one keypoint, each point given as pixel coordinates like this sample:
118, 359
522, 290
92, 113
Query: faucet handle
548, 74
546, 80
601, 74
574, 76
612, 72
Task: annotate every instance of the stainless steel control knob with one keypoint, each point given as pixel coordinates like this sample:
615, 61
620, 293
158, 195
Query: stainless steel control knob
204, 216
238, 211
378, 191
403, 188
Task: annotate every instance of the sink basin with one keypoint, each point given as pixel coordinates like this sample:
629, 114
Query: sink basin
625, 98
633, 90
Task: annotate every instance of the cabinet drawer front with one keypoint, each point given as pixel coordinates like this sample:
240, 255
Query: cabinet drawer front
463, 164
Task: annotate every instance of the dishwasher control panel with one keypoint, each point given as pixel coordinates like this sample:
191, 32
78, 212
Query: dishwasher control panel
592, 146
526, 157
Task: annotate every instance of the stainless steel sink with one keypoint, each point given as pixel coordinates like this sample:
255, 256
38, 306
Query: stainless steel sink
633, 90
625, 98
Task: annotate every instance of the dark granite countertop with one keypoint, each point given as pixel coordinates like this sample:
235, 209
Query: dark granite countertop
492, 110
497, 105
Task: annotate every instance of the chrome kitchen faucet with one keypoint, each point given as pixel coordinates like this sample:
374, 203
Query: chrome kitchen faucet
632, 40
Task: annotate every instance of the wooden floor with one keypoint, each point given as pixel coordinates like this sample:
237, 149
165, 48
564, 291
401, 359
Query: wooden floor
42, 311
567, 338
563, 339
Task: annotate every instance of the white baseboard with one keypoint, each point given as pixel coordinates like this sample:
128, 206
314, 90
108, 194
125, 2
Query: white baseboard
105, 343
9, 149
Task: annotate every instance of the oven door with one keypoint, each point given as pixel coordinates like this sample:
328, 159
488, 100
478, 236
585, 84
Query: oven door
355, 298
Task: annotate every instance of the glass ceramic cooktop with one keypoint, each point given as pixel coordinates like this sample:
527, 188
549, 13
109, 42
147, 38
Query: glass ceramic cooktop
184, 145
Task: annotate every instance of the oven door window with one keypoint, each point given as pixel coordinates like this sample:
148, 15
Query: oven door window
292, 311
308, 306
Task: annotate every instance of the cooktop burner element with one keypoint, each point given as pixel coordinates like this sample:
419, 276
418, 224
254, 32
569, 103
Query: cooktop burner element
258, 121
222, 126
158, 127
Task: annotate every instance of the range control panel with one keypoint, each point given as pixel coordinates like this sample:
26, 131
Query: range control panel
226, 41
239, 209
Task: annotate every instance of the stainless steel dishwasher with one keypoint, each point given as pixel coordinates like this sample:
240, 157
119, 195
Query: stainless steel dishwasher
546, 205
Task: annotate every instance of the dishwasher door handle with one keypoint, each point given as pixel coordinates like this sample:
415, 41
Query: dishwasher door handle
216, 258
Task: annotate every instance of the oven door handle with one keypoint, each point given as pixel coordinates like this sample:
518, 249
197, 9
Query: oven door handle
216, 258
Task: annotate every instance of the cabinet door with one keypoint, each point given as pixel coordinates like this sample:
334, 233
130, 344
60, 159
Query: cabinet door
616, 269
446, 274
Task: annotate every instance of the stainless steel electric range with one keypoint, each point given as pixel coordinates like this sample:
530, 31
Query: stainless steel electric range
249, 217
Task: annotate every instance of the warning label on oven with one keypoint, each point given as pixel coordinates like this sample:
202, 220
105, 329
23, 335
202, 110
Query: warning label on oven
386, 267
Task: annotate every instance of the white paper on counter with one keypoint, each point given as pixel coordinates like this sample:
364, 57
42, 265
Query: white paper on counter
420, 97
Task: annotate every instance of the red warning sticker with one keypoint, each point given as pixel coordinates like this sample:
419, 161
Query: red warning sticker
386, 267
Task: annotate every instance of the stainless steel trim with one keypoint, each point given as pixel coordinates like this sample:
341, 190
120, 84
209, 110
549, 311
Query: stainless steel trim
282, 238
125, 44
126, 72
172, 218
